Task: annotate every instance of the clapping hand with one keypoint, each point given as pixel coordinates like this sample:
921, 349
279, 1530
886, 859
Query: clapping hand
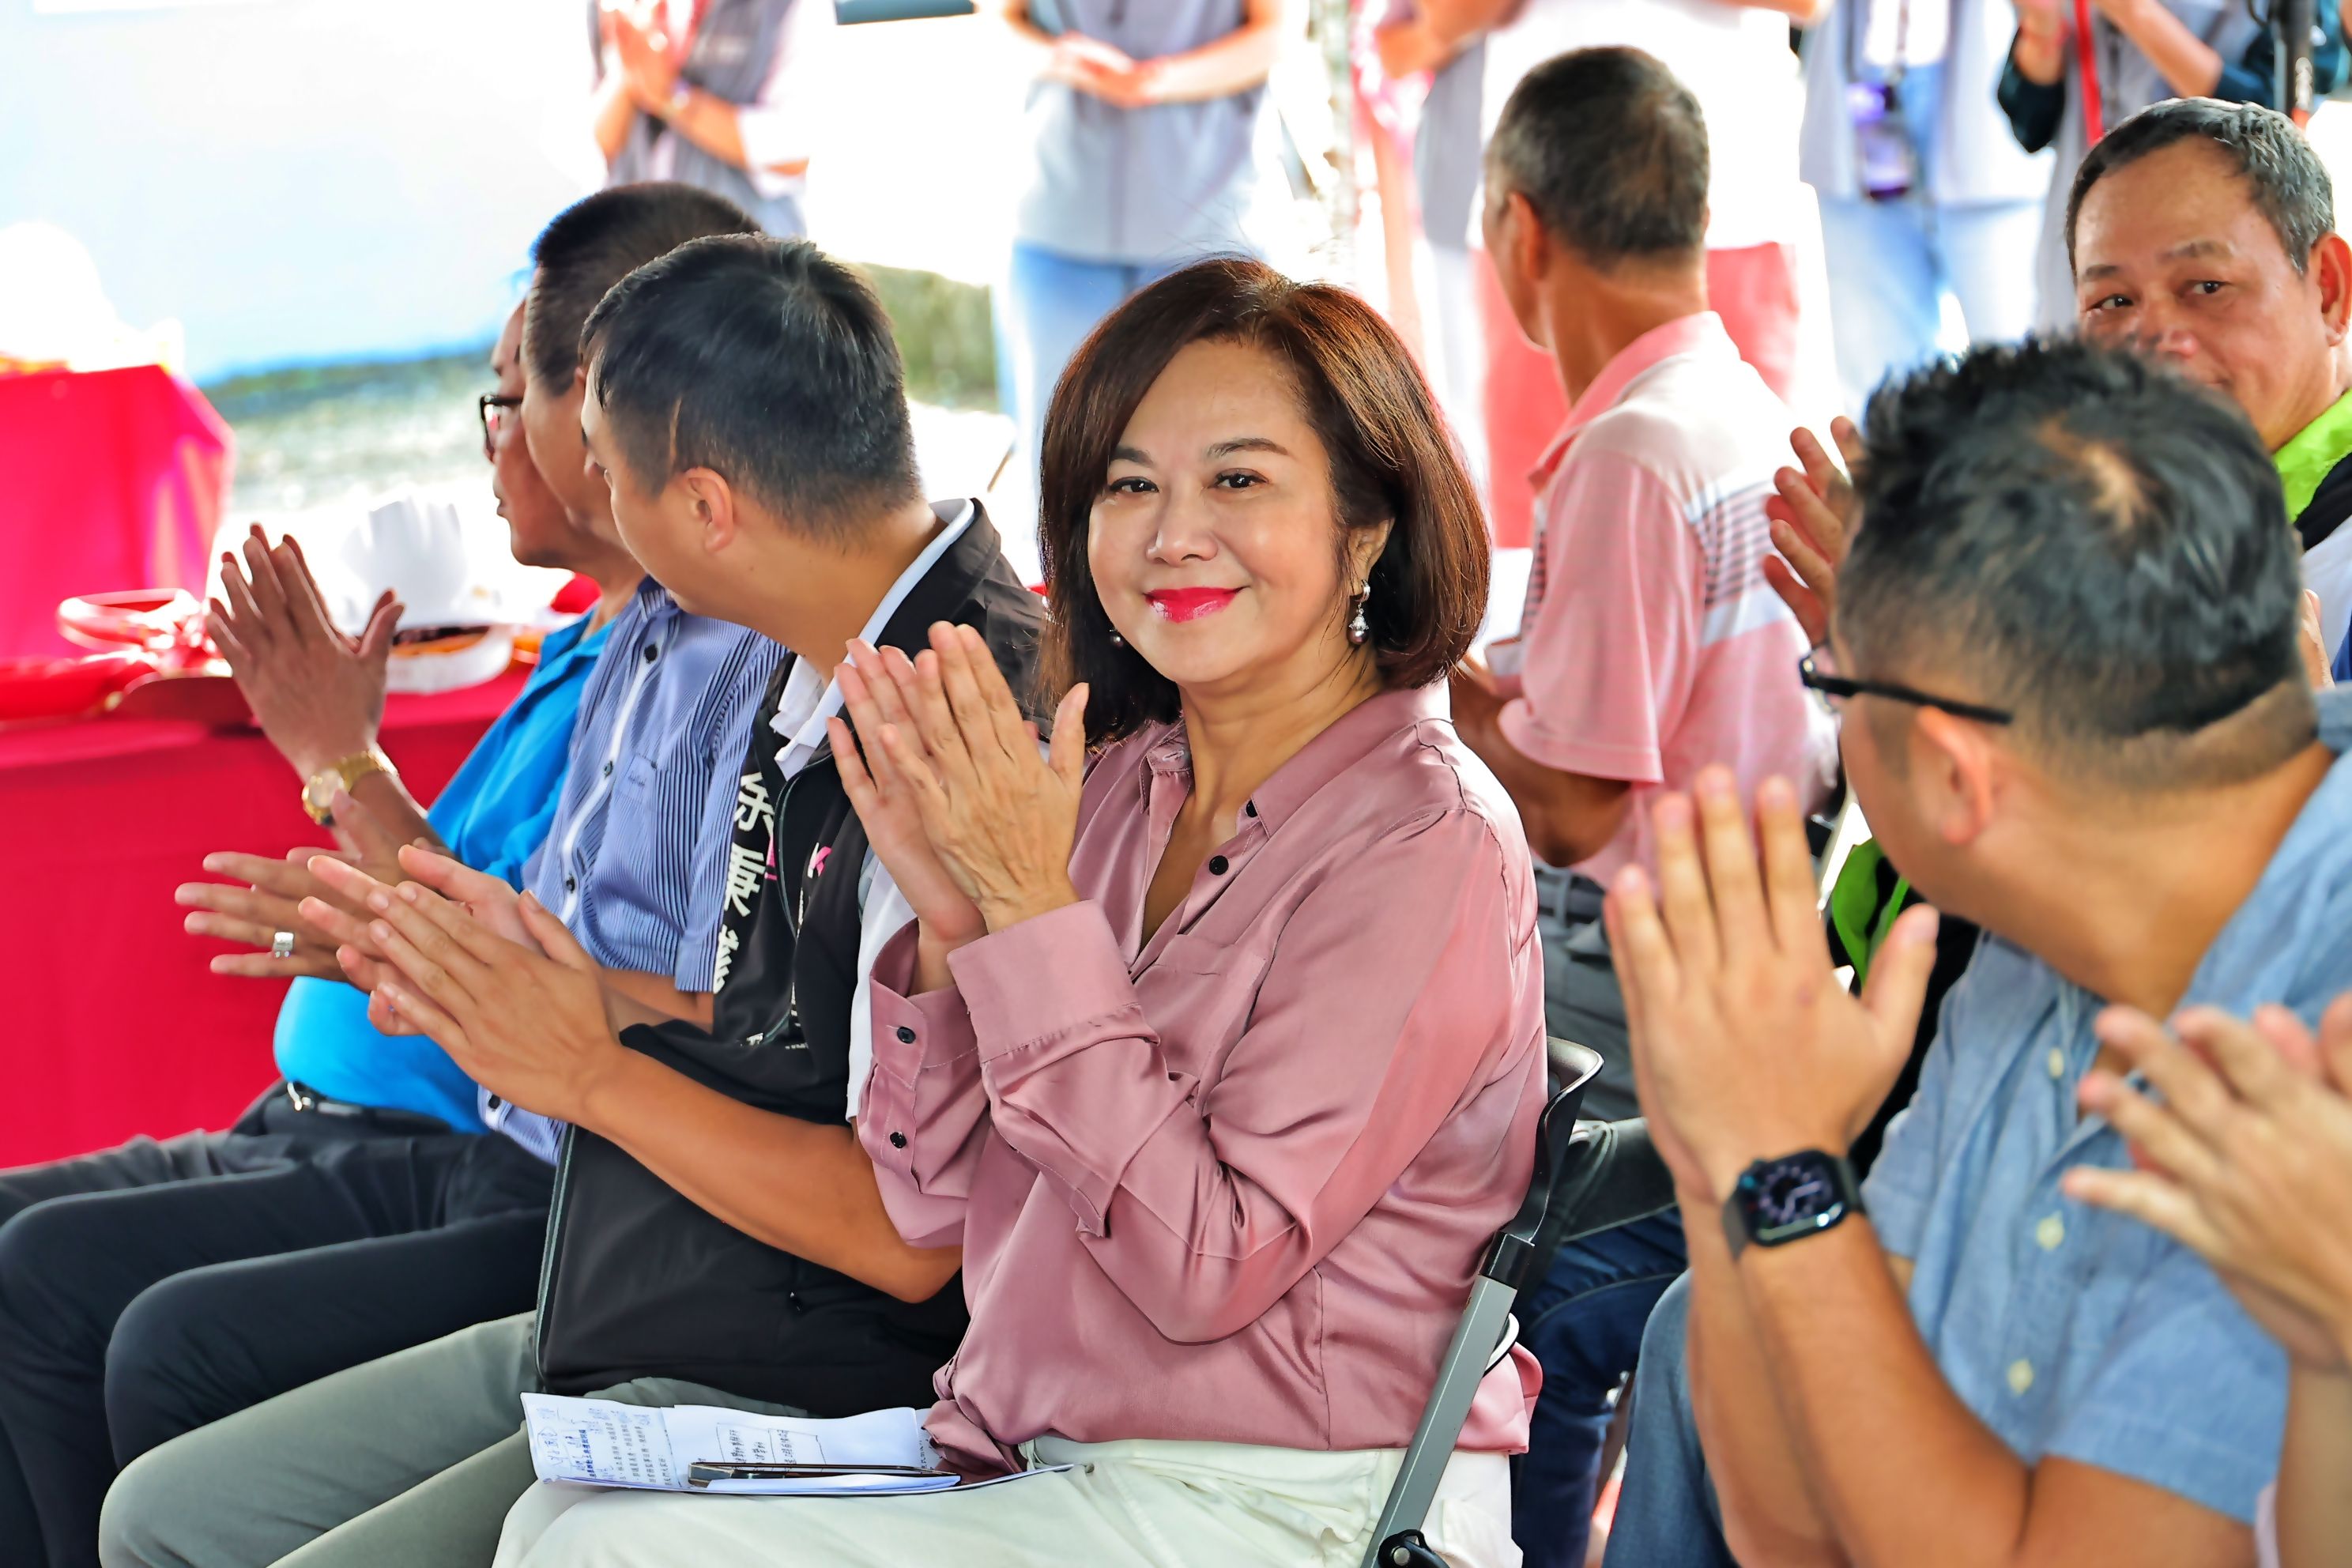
526, 1022
884, 797
316, 693
2245, 1158
1813, 515
271, 901
1745, 1046
354, 896
252, 916
999, 818
645, 61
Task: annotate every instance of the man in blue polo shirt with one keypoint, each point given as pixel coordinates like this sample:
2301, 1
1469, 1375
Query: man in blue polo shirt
359, 1209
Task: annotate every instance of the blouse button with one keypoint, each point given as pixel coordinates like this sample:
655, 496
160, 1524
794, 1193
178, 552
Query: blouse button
906, 1036
1217, 865
897, 1140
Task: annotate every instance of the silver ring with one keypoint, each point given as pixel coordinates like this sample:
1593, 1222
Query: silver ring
281, 944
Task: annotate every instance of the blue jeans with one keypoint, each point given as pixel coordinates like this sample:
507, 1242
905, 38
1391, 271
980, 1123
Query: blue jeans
1667, 1516
1891, 264
1584, 1324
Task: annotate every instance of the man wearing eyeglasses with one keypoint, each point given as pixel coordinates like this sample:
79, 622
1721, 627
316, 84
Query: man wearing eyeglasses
2076, 716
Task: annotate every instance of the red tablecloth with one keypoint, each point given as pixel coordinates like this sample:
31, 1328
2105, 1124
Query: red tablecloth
113, 1025
112, 480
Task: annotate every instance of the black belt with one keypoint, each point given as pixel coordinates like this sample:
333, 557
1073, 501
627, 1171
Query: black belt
310, 1102
1569, 897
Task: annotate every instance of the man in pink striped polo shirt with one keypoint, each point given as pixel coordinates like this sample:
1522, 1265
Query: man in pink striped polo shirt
1651, 644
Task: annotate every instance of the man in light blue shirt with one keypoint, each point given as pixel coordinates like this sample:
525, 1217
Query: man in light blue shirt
2074, 713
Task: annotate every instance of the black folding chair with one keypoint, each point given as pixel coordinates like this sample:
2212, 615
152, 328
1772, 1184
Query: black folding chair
1589, 1177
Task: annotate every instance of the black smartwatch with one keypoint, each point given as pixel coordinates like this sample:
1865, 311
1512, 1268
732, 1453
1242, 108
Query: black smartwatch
1776, 1202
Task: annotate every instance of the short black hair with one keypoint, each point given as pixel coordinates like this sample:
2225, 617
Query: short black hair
2076, 534
1611, 151
594, 244
2290, 184
763, 360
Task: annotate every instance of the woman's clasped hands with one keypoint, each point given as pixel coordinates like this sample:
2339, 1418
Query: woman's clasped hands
945, 772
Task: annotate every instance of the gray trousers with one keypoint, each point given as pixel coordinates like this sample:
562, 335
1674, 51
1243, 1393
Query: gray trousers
407, 1462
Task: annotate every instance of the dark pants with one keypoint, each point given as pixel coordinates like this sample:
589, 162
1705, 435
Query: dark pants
1584, 1324
153, 1288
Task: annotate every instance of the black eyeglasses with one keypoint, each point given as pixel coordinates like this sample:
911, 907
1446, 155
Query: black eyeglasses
1833, 689
493, 406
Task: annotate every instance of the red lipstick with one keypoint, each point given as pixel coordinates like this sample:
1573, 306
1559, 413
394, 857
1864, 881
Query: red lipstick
1189, 604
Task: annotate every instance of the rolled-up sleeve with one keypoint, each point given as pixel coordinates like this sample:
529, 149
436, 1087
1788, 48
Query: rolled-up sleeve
924, 1115
1396, 987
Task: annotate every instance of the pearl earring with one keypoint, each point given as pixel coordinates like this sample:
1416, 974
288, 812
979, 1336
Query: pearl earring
1358, 630
1117, 640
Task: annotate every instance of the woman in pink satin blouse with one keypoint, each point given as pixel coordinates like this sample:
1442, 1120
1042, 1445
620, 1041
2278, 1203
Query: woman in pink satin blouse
1218, 1041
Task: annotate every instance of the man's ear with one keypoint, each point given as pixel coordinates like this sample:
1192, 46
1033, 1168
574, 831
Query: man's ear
2331, 273
713, 500
1957, 769
1524, 231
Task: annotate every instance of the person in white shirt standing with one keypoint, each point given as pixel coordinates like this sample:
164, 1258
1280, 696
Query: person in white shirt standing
716, 93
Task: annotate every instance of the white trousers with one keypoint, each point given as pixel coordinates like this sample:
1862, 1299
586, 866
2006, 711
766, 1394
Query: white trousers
1127, 1505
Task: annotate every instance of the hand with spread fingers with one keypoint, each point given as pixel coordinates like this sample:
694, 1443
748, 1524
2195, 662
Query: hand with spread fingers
267, 913
1745, 1046
2243, 1137
999, 818
528, 1025
261, 915
1813, 514
884, 798
317, 694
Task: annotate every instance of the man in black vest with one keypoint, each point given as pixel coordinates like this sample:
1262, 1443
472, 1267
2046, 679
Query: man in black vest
717, 1237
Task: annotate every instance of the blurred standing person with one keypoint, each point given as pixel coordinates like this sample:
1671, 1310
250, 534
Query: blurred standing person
1734, 57
1921, 193
2139, 52
1445, 171
716, 93
1143, 125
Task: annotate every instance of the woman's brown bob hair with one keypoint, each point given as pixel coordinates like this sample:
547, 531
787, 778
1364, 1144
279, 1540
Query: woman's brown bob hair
1392, 458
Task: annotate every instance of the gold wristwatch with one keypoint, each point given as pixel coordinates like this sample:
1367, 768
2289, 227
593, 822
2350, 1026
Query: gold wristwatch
318, 793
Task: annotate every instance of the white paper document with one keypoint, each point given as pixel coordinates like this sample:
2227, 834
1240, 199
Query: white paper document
603, 1443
